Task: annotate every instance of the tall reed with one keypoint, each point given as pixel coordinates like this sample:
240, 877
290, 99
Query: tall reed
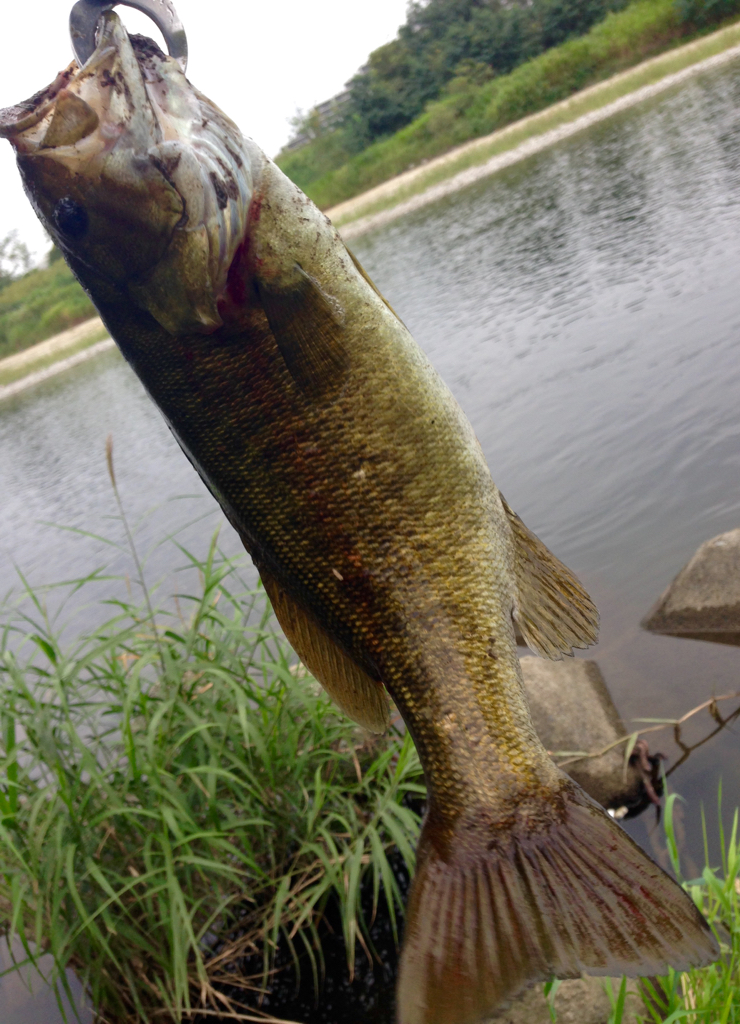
710, 995
172, 786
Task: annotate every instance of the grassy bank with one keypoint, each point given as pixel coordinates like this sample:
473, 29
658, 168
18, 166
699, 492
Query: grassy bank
470, 110
529, 134
170, 788
39, 305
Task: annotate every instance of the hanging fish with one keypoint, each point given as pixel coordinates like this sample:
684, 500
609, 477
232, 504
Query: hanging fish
392, 561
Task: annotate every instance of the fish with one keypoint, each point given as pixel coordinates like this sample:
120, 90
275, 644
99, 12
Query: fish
393, 563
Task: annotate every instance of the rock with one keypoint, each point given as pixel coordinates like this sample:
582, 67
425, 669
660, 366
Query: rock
26, 998
572, 711
703, 602
580, 1001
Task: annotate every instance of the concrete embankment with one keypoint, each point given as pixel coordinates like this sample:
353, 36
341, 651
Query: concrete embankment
55, 355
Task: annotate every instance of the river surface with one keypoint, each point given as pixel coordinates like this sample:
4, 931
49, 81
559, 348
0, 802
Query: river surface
584, 307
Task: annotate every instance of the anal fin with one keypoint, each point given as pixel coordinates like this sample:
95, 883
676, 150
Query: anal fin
352, 689
552, 610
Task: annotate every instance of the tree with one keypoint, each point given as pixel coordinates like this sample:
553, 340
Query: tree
15, 259
440, 36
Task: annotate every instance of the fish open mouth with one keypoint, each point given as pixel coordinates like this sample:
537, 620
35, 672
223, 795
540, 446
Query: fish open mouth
79, 100
136, 174
17, 119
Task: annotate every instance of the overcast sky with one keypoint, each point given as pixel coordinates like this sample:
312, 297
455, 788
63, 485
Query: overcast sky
259, 61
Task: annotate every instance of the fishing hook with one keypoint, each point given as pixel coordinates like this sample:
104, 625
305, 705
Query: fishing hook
86, 14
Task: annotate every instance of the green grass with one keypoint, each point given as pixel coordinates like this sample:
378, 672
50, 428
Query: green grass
468, 111
710, 995
39, 305
171, 775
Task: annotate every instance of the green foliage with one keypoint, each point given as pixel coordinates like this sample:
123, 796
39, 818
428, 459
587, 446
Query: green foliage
40, 304
440, 42
317, 158
703, 13
710, 995
405, 74
54, 254
470, 107
172, 775
15, 258
617, 1001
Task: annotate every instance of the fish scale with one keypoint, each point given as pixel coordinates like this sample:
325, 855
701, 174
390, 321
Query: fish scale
356, 483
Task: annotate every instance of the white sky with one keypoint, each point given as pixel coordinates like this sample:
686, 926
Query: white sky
259, 61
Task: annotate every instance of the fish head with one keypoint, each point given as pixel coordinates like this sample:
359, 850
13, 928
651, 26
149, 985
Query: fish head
139, 179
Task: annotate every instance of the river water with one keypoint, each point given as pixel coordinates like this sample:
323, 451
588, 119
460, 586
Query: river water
584, 307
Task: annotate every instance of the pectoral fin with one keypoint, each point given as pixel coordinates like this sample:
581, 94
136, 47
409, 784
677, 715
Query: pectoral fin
552, 610
352, 689
308, 327
364, 274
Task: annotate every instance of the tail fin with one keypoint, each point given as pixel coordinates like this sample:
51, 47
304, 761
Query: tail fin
577, 895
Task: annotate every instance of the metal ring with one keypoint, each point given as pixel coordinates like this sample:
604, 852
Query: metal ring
85, 16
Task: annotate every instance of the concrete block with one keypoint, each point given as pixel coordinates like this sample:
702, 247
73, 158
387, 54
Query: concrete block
703, 602
579, 1001
572, 710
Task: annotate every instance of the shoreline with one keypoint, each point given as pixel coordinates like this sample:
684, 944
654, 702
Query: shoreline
485, 156
59, 366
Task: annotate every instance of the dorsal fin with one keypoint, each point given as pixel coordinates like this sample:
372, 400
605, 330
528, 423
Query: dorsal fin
552, 610
307, 326
352, 689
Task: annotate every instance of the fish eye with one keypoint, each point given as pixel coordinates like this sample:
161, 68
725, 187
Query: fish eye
71, 218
